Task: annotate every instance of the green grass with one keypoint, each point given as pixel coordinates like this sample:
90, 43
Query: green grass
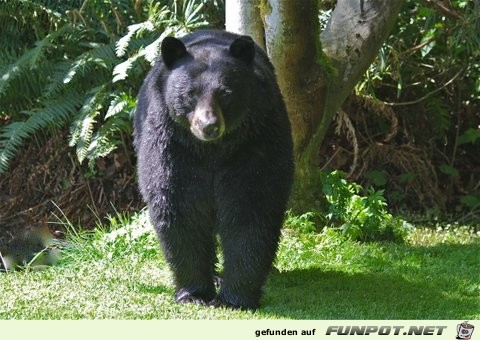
122, 275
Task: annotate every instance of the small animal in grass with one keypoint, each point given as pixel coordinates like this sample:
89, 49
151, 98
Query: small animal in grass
33, 247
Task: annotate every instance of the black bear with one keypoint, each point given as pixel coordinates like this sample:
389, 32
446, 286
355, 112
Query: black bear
215, 157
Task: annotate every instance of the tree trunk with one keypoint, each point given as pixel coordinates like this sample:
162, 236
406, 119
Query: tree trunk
293, 44
244, 17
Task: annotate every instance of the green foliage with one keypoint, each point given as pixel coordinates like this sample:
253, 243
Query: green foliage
127, 236
121, 236
360, 217
303, 223
82, 68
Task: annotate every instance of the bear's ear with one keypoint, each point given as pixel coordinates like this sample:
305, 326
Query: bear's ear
172, 50
243, 48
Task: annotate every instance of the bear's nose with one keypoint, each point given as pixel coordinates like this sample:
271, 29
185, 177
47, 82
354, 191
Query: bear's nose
207, 122
212, 130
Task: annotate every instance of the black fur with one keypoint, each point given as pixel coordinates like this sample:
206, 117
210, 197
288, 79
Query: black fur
235, 184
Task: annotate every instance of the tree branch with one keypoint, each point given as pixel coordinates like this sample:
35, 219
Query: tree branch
352, 38
442, 7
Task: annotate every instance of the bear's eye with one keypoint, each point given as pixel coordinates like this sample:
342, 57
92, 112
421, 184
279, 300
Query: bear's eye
192, 93
224, 92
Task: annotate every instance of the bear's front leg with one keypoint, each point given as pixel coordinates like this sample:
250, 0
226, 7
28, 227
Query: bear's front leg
249, 251
191, 258
250, 211
185, 231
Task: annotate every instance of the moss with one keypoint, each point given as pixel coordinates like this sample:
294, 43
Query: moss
322, 59
307, 192
325, 63
265, 8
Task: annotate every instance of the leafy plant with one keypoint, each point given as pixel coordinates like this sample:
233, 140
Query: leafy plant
303, 223
360, 217
125, 236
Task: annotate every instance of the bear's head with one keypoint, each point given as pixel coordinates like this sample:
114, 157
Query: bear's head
208, 84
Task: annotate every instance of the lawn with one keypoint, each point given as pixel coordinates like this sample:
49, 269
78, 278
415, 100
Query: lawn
118, 273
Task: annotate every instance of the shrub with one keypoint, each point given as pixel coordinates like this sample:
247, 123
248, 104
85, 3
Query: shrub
363, 218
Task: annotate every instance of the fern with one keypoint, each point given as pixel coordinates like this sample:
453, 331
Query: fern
120, 71
438, 115
108, 137
178, 22
32, 60
90, 144
82, 127
81, 69
54, 113
133, 30
11, 138
26, 62
190, 15
56, 77
68, 73
121, 103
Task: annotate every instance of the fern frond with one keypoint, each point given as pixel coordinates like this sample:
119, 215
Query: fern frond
121, 103
148, 53
151, 52
68, 74
85, 130
23, 64
30, 60
108, 137
11, 138
120, 71
55, 84
117, 121
191, 12
133, 30
23, 92
7, 57
81, 129
54, 113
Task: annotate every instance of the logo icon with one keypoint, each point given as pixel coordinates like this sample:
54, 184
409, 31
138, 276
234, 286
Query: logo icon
464, 331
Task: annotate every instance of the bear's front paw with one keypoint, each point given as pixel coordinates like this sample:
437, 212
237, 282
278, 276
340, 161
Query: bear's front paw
219, 302
184, 296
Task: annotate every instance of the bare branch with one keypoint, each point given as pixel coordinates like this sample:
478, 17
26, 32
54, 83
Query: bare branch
443, 7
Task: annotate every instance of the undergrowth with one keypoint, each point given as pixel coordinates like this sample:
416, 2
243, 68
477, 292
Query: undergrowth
356, 213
